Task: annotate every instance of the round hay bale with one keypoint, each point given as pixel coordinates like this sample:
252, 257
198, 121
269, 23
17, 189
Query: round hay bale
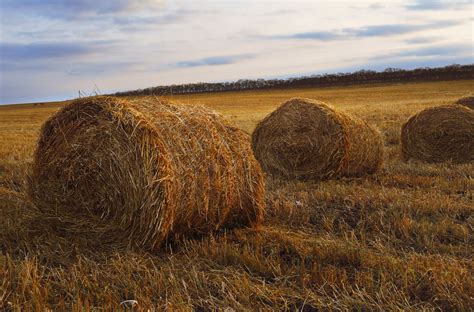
149, 169
466, 101
307, 139
439, 134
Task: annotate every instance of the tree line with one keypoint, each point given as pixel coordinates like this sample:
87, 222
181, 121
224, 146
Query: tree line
451, 72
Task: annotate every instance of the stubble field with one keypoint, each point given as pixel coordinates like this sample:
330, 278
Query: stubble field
401, 239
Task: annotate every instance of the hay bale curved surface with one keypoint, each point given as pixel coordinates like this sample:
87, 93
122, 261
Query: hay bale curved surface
466, 101
308, 139
150, 169
439, 134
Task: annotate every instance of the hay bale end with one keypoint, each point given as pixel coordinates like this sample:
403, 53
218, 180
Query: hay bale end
308, 139
440, 134
151, 170
466, 101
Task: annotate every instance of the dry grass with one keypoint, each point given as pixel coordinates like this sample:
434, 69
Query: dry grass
399, 239
439, 134
308, 139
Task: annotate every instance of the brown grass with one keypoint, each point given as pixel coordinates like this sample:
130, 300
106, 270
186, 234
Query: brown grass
309, 139
144, 171
438, 134
400, 239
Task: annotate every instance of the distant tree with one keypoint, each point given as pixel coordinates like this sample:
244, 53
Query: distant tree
454, 71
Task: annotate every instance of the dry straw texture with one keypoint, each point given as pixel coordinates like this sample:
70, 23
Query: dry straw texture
146, 170
308, 139
466, 101
439, 134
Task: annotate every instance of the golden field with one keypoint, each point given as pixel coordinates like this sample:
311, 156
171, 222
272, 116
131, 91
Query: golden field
401, 239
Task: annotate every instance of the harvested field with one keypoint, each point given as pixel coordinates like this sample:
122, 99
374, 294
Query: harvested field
400, 239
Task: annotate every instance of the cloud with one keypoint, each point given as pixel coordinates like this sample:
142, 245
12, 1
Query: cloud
384, 30
64, 75
280, 12
459, 50
365, 31
215, 60
45, 56
41, 50
94, 68
437, 4
67, 9
312, 35
135, 23
419, 40
376, 6
122, 15
396, 29
440, 50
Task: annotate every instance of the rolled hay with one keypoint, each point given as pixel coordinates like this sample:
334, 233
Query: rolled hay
308, 139
466, 101
439, 134
151, 170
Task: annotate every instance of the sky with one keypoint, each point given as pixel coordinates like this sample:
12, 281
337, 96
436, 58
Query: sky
52, 49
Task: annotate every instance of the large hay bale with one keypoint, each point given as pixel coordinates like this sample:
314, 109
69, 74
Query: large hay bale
438, 134
307, 139
466, 101
145, 168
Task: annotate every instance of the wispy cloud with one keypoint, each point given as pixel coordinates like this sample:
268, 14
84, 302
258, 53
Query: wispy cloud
376, 6
438, 4
128, 20
215, 60
312, 35
397, 29
64, 9
41, 50
421, 40
281, 12
43, 56
100, 68
365, 31
458, 50
440, 50
121, 15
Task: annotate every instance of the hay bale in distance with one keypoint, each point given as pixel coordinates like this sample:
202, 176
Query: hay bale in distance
308, 139
147, 168
439, 134
466, 101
